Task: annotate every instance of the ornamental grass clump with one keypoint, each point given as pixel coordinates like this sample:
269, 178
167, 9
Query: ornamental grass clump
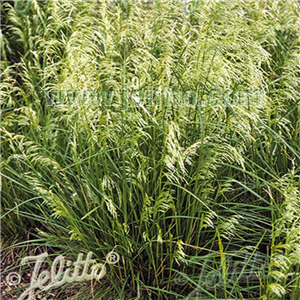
167, 132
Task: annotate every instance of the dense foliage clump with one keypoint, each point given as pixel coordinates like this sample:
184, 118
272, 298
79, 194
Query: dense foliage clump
167, 131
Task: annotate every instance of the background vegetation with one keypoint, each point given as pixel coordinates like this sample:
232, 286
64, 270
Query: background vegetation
199, 193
